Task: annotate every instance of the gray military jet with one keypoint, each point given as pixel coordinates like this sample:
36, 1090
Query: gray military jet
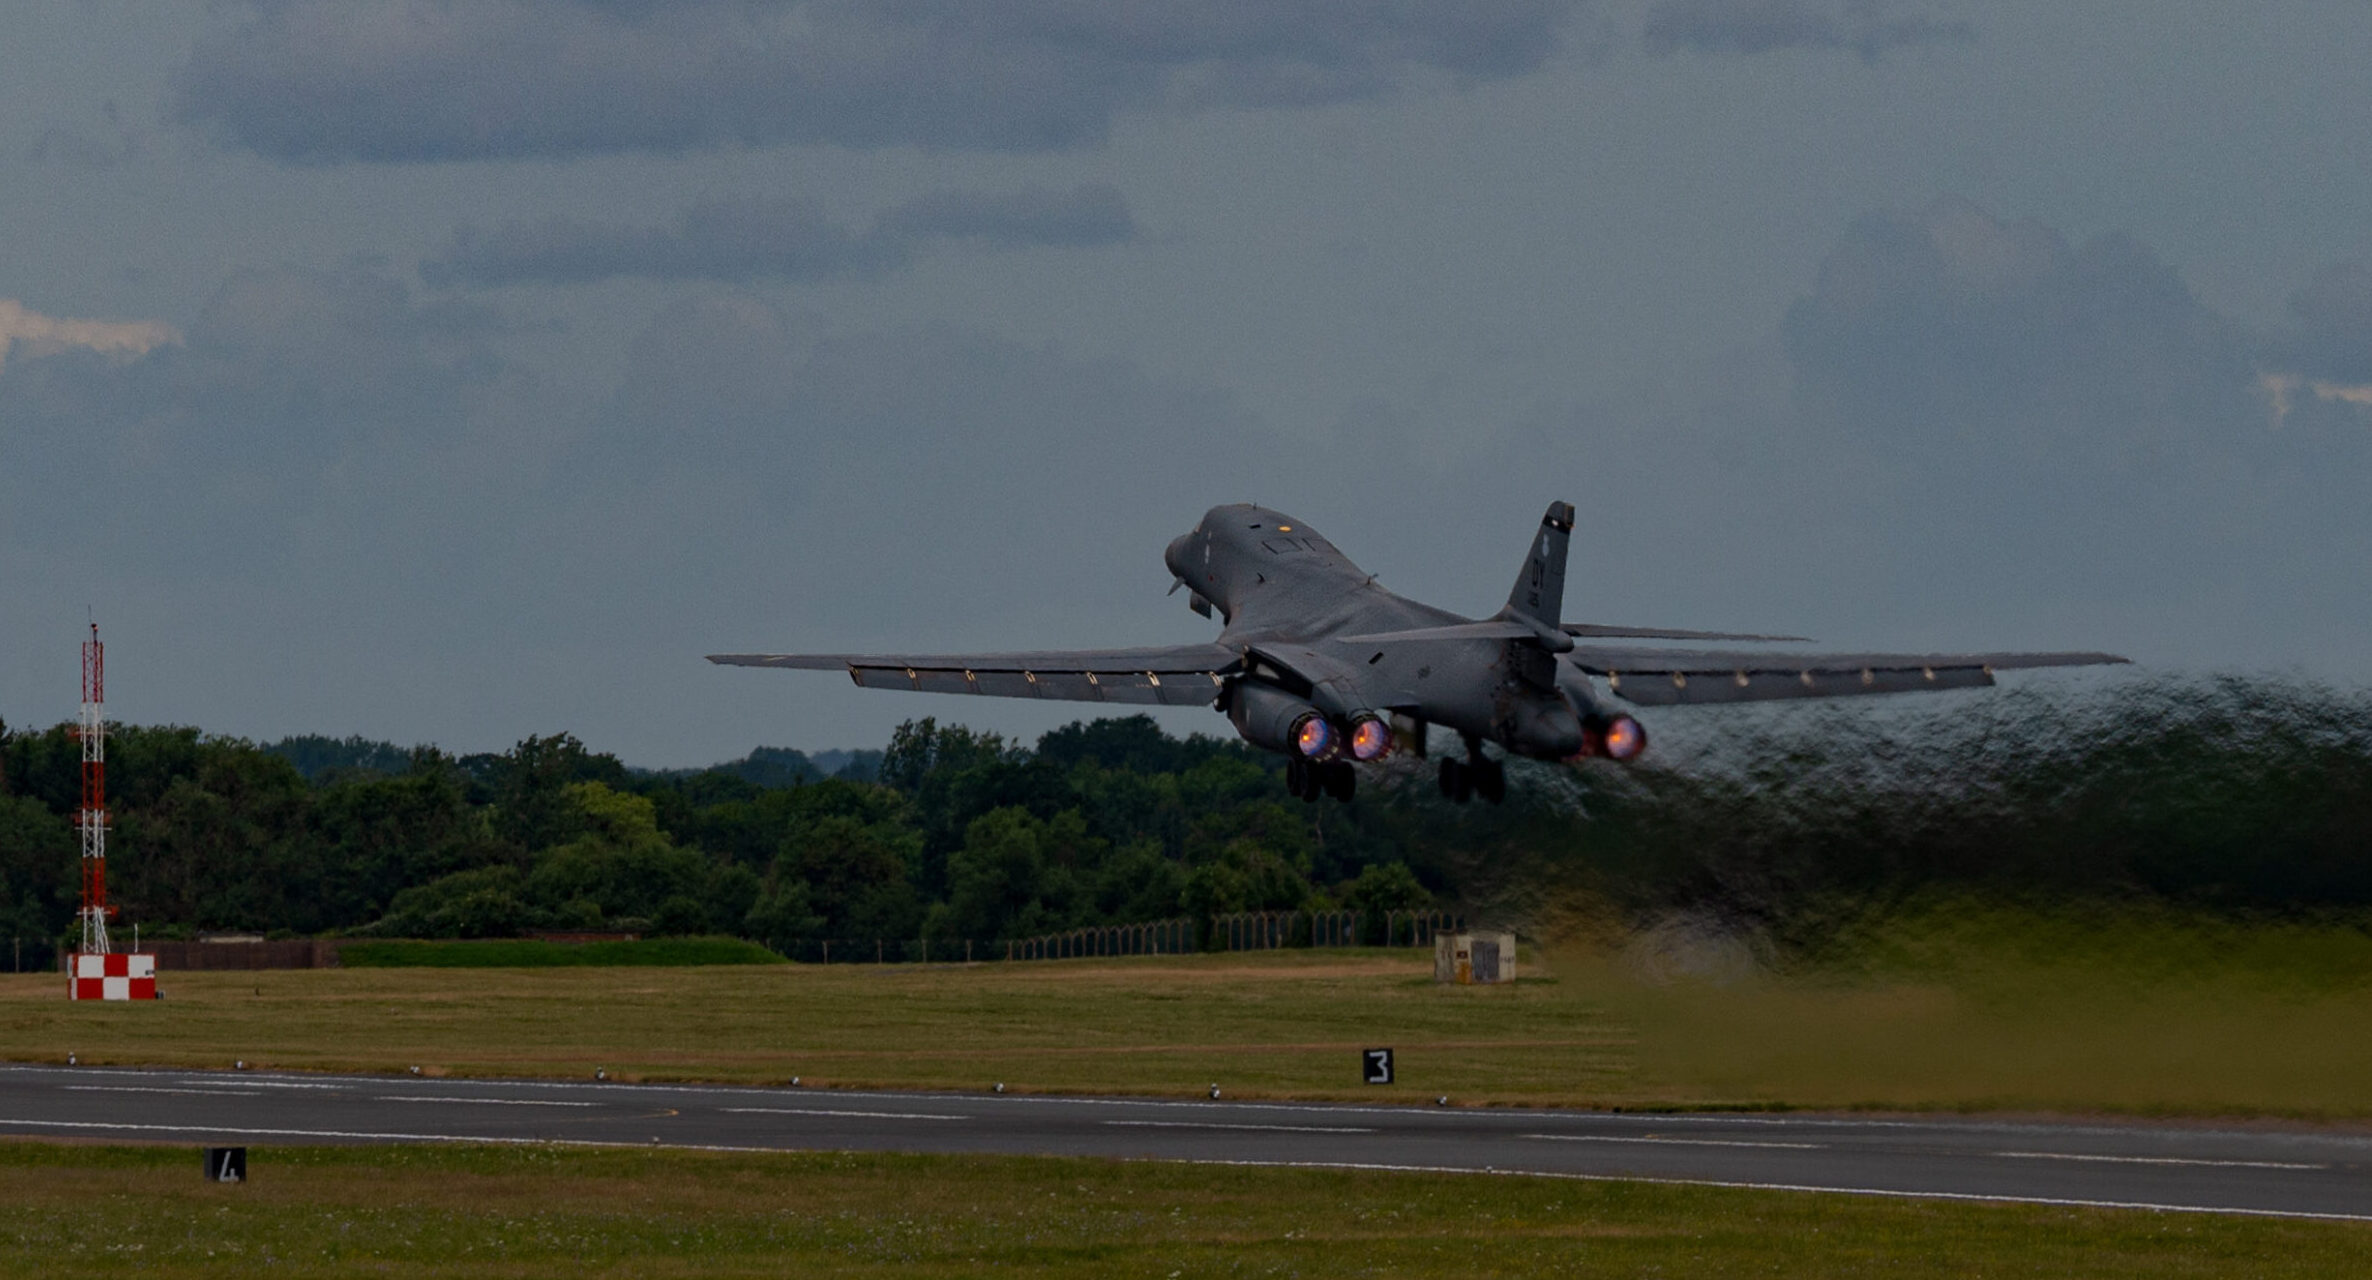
1318, 662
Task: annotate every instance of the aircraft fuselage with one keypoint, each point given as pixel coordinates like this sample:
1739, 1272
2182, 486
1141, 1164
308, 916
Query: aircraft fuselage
1294, 606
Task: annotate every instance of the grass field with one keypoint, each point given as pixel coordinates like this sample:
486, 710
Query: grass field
1960, 1009
462, 1211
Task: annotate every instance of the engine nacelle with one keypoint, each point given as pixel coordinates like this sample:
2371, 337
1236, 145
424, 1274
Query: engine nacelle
1611, 735
1269, 717
1615, 737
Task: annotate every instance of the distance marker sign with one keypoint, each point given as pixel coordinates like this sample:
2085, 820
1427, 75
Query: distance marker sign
1376, 1065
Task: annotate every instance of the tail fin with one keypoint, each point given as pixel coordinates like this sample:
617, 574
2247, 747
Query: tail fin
1539, 595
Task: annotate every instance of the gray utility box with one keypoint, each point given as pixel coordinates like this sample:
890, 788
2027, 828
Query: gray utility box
1468, 958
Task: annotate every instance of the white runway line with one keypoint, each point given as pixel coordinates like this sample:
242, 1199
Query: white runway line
1214, 1124
225, 1092
259, 1082
856, 1115
480, 1102
1677, 1142
2215, 1164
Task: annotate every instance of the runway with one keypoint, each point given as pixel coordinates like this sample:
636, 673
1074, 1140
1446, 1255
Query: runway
2277, 1171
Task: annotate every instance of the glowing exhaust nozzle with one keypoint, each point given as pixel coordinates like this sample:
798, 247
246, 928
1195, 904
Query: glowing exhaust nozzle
1623, 738
1371, 739
1314, 737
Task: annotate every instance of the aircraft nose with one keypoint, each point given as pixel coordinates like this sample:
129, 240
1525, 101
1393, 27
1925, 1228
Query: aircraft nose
1175, 557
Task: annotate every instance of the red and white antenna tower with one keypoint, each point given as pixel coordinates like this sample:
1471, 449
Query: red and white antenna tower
93, 733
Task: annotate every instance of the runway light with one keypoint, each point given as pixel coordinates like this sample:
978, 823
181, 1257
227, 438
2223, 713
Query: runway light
1314, 737
1371, 739
1214, 1091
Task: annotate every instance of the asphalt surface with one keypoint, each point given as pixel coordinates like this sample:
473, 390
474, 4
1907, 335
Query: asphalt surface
2271, 1171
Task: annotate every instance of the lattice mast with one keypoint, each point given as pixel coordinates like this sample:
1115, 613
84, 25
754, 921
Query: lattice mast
93, 732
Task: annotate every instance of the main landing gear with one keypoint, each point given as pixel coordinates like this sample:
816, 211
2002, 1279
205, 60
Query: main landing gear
1310, 779
1476, 775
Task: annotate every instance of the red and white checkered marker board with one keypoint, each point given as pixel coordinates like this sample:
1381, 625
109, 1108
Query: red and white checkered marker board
121, 976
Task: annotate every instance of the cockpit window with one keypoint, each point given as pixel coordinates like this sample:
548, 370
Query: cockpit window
1279, 546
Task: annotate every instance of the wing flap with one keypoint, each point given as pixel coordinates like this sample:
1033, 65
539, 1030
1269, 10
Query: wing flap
1650, 678
1179, 676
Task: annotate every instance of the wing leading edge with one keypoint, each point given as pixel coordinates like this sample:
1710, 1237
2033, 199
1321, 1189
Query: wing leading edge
1662, 678
1175, 676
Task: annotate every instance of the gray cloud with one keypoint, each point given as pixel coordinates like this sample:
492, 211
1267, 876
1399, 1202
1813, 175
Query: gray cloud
299, 407
1951, 327
745, 239
2065, 430
1759, 26
103, 144
2330, 334
311, 82
338, 497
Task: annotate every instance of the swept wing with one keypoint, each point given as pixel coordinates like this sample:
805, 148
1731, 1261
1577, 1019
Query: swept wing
1177, 676
1665, 677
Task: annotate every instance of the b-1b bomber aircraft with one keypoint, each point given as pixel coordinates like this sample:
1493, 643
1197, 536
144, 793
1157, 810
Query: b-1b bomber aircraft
1318, 662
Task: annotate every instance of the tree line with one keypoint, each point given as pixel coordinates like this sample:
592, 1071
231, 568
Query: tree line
2221, 794
945, 833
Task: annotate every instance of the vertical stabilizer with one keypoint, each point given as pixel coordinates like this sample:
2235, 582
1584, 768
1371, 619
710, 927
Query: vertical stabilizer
1539, 595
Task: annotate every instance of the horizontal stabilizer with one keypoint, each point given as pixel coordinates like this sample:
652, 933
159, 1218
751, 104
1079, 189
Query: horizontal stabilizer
1510, 629
1600, 631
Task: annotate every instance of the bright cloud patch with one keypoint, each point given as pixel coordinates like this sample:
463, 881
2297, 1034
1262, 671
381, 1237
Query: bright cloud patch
40, 335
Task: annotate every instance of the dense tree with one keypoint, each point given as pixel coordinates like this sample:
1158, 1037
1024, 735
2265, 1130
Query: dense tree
2243, 796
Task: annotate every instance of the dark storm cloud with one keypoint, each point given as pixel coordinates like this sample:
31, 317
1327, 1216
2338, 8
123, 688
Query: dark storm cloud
1949, 327
783, 238
1759, 26
2064, 430
423, 80
1976, 430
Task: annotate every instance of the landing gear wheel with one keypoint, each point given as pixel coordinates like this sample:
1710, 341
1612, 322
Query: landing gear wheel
1490, 780
1297, 776
1342, 781
1457, 781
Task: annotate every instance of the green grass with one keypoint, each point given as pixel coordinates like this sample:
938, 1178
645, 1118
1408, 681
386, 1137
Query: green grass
529, 953
1961, 1004
474, 1211
1950, 1006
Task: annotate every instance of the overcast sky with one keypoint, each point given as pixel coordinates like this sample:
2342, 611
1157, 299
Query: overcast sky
455, 372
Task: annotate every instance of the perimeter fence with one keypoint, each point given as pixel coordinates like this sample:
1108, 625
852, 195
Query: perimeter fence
1178, 935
